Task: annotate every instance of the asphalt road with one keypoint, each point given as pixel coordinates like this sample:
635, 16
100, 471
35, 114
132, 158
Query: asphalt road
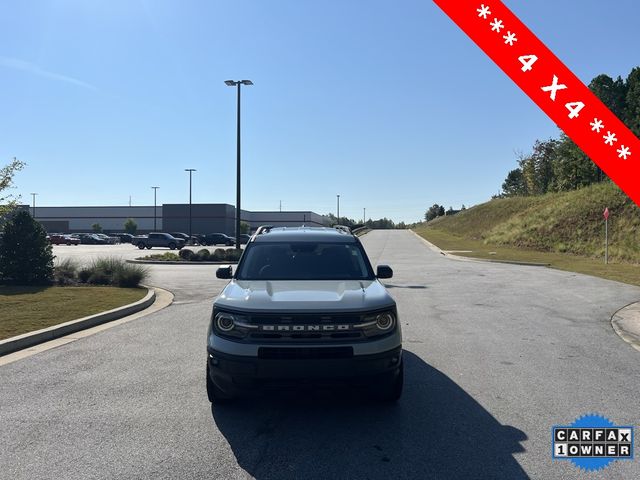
495, 355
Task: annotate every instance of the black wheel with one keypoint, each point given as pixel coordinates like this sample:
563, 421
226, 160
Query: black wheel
172, 246
148, 247
391, 389
141, 246
215, 395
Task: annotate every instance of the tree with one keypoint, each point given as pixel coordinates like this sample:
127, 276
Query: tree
513, 185
130, 226
245, 227
8, 201
25, 253
441, 211
97, 228
613, 93
632, 104
433, 212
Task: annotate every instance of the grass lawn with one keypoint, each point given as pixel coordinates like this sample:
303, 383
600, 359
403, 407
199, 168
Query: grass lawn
622, 272
25, 309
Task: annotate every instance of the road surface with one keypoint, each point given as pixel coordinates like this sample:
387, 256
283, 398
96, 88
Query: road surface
495, 355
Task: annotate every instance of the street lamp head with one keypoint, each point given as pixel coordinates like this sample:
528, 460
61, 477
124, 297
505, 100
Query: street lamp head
190, 170
230, 83
246, 82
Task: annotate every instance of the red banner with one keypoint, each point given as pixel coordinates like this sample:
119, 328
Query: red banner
552, 86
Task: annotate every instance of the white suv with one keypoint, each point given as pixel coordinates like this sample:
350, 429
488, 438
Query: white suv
304, 305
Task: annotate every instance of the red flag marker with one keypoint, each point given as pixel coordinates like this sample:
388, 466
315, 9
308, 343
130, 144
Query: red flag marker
606, 213
553, 87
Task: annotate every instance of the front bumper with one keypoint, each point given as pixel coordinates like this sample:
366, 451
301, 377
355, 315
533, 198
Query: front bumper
235, 374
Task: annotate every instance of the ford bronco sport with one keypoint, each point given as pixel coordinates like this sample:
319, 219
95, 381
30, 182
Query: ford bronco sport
304, 305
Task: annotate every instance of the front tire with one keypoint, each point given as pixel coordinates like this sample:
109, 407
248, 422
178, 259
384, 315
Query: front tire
172, 246
141, 246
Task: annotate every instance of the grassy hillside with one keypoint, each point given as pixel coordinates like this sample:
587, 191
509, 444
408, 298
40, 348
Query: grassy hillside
567, 223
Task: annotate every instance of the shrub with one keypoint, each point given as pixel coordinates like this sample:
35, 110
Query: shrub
185, 254
107, 265
98, 277
130, 275
202, 255
233, 254
130, 226
65, 272
219, 254
166, 256
26, 257
84, 274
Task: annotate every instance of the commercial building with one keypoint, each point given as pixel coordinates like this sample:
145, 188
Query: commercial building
205, 218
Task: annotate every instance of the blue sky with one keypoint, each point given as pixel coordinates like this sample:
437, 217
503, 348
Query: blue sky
386, 103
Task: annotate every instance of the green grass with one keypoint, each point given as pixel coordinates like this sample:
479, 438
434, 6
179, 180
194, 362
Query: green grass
25, 309
565, 230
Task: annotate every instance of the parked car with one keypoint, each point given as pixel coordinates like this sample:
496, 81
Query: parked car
217, 239
61, 239
124, 237
244, 238
109, 239
158, 240
91, 239
185, 237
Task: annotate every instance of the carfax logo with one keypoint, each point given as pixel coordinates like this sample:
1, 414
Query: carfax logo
592, 442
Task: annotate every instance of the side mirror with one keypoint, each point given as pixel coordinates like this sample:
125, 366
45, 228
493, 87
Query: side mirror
384, 271
224, 272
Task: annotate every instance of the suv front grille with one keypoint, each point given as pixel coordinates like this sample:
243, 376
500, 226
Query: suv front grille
303, 327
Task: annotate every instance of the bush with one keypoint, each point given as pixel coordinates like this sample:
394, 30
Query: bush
233, 254
26, 257
166, 256
84, 274
130, 275
202, 255
185, 254
219, 254
113, 271
65, 272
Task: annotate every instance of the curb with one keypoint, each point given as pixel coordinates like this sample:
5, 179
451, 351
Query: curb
475, 259
30, 339
173, 262
626, 324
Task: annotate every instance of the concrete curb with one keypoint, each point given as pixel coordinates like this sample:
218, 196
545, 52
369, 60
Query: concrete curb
474, 259
30, 339
626, 323
172, 262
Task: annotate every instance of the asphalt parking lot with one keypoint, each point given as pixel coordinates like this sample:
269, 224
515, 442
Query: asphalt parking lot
495, 356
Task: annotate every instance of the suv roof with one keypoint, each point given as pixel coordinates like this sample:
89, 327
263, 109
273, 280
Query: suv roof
307, 234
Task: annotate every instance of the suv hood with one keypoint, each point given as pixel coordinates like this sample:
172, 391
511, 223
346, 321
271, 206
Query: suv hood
301, 295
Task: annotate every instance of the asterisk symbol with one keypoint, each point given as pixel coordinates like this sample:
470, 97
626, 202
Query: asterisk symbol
610, 138
510, 38
496, 25
596, 125
483, 11
623, 152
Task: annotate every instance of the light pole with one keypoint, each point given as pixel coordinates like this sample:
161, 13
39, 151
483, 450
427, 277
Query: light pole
155, 191
364, 216
34, 204
190, 170
338, 209
238, 83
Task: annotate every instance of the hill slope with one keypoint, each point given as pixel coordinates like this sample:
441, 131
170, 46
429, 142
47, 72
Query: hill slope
567, 222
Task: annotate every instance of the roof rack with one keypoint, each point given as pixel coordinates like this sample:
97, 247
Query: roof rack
343, 228
263, 229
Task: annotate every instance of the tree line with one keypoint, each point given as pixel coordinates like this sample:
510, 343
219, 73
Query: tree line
558, 164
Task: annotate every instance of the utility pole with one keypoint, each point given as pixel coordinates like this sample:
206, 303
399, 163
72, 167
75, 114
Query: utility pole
34, 204
155, 191
280, 206
364, 216
338, 221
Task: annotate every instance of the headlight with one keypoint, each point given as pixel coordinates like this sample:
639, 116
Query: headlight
229, 324
385, 321
378, 324
225, 322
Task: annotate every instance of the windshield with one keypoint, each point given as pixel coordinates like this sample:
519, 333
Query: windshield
304, 261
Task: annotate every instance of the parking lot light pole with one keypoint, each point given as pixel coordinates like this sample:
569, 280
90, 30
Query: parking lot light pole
34, 204
338, 209
190, 170
155, 191
364, 216
238, 83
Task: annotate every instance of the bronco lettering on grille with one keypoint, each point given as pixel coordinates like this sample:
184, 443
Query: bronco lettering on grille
303, 328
